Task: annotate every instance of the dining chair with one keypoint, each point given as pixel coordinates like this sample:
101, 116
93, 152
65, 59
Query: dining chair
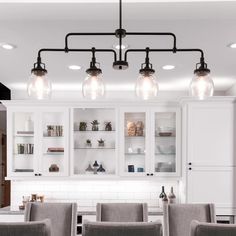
39, 228
211, 229
122, 229
178, 217
62, 215
122, 212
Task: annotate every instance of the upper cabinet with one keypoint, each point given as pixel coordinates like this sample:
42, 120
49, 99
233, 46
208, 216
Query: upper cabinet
150, 141
166, 137
210, 131
38, 142
94, 141
135, 148
22, 150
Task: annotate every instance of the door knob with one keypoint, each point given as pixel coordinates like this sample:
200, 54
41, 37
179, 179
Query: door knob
190, 163
190, 168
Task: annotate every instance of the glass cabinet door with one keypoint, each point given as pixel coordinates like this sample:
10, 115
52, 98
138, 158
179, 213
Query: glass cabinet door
23, 162
94, 141
54, 146
165, 144
134, 143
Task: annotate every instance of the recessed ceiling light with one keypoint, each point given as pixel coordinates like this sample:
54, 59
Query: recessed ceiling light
117, 46
7, 46
232, 45
168, 67
74, 67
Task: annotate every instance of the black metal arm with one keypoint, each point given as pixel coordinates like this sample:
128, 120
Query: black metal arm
76, 50
166, 50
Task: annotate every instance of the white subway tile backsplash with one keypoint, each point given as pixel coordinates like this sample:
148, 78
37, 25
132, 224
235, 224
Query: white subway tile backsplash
89, 193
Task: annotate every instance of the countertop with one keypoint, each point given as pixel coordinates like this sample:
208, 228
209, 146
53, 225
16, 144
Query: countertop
154, 211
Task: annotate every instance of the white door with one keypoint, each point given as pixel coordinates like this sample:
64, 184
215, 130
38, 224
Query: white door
135, 142
54, 142
212, 185
22, 142
210, 134
166, 141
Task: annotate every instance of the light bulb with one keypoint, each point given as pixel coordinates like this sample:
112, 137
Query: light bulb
93, 86
39, 87
202, 86
146, 86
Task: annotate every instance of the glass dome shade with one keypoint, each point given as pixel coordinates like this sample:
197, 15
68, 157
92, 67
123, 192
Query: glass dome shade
146, 86
39, 87
93, 86
201, 86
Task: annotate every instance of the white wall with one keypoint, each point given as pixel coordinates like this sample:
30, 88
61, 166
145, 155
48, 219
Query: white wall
231, 91
110, 95
88, 193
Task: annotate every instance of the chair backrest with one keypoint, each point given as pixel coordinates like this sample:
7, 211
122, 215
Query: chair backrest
122, 229
39, 228
211, 229
62, 215
178, 217
122, 212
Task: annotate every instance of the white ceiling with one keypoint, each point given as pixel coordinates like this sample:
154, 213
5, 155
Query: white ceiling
31, 26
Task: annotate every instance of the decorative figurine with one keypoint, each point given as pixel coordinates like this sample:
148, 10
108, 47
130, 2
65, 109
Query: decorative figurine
82, 126
95, 124
101, 170
89, 169
95, 166
101, 143
88, 143
108, 126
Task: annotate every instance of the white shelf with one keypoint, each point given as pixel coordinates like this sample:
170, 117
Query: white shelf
103, 148
93, 131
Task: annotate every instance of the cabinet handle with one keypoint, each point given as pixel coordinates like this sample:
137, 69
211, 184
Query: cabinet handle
151, 174
148, 174
36, 174
39, 174
190, 163
190, 168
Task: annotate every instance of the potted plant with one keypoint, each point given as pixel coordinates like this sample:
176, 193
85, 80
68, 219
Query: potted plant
94, 124
82, 126
108, 126
88, 143
101, 142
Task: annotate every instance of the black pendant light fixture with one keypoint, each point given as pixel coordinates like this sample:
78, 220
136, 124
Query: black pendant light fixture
201, 86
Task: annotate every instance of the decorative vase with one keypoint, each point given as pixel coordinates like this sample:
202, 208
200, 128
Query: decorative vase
82, 126
29, 125
108, 126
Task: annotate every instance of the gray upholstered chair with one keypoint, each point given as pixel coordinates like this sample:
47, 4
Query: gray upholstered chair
210, 229
39, 228
178, 217
62, 215
122, 229
122, 212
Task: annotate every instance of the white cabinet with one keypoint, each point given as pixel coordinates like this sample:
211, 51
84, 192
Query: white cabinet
37, 141
150, 141
209, 153
94, 141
